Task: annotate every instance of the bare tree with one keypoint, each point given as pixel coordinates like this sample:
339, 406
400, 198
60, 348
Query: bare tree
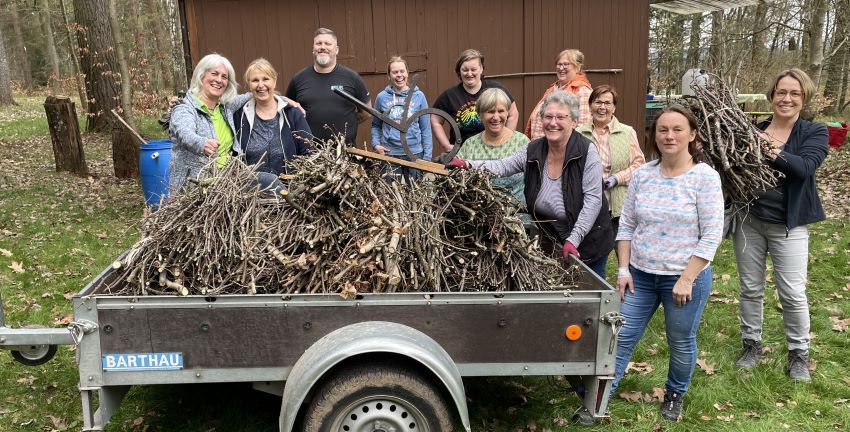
122, 59
715, 47
813, 33
5, 82
98, 64
20, 48
75, 61
694, 41
179, 62
836, 66
44, 14
758, 53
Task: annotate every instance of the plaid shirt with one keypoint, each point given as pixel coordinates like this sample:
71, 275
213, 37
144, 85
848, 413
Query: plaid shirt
534, 129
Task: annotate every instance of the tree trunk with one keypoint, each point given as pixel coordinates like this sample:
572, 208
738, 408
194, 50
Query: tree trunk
158, 51
47, 28
20, 48
758, 53
5, 81
835, 68
715, 48
75, 61
122, 58
694, 41
65, 135
98, 63
814, 33
181, 83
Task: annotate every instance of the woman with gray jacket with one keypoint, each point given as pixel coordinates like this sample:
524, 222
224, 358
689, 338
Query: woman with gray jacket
201, 127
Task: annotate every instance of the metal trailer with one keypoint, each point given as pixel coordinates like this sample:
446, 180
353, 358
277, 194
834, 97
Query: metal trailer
377, 362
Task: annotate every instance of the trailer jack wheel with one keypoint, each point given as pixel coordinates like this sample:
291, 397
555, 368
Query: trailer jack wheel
34, 355
378, 398
583, 417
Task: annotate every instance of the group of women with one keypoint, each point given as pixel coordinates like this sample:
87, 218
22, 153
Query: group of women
582, 177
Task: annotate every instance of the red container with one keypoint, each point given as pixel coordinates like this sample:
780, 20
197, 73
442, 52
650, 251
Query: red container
837, 135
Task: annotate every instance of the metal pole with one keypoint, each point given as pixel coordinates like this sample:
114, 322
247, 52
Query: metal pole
2, 316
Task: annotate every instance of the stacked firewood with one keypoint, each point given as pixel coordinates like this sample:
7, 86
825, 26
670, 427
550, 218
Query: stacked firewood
732, 144
338, 227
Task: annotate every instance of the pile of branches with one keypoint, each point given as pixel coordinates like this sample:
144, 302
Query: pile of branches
339, 227
731, 143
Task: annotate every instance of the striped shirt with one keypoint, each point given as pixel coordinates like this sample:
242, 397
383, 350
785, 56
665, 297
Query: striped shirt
670, 219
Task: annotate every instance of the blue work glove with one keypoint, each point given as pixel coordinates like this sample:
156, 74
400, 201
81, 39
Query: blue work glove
610, 182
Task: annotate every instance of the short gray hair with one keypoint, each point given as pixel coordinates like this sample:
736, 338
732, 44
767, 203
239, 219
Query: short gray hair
208, 62
563, 98
490, 98
324, 31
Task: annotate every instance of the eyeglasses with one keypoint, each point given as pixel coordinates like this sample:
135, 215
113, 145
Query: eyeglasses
562, 65
600, 103
782, 93
550, 118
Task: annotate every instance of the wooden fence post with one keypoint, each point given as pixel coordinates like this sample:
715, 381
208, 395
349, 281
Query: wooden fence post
65, 135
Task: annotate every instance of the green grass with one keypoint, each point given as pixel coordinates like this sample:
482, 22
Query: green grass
64, 230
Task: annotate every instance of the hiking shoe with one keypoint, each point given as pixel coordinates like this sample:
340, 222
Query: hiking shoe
798, 365
750, 355
671, 408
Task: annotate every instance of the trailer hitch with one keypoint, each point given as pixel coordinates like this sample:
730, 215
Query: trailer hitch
616, 320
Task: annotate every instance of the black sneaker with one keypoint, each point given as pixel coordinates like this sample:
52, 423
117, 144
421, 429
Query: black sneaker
671, 408
798, 365
750, 355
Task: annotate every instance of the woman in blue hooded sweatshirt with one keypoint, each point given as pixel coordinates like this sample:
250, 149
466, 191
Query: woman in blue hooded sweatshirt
386, 140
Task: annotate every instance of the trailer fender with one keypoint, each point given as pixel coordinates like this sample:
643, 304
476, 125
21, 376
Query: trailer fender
363, 338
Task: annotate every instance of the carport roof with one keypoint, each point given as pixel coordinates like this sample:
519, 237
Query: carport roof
685, 7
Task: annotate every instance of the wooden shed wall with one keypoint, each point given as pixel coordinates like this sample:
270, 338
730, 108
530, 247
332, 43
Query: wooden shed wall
515, 36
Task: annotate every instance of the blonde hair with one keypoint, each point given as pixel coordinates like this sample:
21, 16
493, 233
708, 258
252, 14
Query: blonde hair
260, 65
575, 56
806, 84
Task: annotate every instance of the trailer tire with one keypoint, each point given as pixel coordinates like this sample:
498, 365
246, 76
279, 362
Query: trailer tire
378, 397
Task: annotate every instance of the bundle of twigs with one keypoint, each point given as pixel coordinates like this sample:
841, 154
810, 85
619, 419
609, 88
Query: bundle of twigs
732, 144
340, 227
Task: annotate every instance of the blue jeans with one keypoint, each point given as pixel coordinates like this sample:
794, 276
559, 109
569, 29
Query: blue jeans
598, 266
681, 323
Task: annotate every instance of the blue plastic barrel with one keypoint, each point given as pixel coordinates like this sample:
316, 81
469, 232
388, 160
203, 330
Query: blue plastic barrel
154, 159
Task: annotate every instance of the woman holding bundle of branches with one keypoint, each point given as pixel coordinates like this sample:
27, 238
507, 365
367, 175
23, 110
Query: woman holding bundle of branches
776, 224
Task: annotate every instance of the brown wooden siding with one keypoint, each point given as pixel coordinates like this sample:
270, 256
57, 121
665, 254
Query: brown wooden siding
515, 37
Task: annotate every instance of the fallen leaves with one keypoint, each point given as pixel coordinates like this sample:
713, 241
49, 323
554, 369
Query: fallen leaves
17, 267
5, 252
642, 368
708, 368
839, 325
636, 396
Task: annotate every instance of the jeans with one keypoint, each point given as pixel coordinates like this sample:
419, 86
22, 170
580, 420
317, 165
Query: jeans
598, 266
395, 172
680, 323
789, 251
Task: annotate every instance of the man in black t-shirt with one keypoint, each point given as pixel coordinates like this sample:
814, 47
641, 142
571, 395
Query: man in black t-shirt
328, 113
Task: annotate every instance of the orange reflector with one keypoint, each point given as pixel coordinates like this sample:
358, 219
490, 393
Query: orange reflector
573, 332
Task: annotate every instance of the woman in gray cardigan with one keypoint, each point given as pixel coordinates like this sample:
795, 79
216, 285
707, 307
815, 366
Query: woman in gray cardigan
201, 126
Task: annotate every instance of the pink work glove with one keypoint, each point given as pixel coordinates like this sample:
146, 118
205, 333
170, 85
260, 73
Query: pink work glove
569, 249
458, 163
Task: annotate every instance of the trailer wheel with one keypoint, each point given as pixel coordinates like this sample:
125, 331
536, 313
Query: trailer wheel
379, 398
34, 355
